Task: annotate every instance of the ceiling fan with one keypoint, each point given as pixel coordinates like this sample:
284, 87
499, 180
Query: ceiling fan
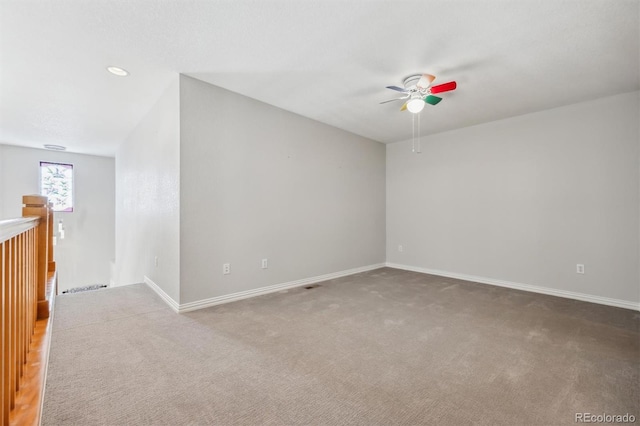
418, 91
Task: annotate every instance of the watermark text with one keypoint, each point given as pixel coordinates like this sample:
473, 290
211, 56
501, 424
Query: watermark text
604, 418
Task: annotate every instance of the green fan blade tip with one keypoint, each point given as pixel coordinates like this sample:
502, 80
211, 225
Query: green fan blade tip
432, 100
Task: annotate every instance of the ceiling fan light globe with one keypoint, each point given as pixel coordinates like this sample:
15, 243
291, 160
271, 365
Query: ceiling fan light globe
415, 105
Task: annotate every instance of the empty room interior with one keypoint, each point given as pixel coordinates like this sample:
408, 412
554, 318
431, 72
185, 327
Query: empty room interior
320, 212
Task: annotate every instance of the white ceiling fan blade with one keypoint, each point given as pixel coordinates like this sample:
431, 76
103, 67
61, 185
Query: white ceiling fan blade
393, 100
398, 89
425, 81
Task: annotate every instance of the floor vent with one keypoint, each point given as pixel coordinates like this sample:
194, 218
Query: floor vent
85, 288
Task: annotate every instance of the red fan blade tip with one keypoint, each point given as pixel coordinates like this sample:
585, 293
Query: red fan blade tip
445, 87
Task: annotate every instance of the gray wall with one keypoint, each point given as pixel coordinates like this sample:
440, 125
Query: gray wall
83, 257
259, 182
148, 199
525, 199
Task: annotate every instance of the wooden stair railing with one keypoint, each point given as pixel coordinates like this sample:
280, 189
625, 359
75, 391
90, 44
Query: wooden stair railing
26, 269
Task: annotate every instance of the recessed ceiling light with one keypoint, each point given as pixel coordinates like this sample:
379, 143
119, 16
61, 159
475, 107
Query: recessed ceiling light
120, 72
55, 147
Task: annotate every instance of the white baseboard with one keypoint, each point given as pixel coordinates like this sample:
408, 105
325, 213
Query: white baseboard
227, 298
172, 303
205, 303
525, 287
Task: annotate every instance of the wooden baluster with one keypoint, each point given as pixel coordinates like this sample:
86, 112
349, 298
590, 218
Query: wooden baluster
27, 318
34, 274
34, 260
32, 323
4, 365
19, 323
23, 305
24, 322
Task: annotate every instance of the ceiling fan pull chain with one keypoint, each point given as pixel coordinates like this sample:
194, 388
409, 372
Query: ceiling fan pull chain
413, 133
419, 144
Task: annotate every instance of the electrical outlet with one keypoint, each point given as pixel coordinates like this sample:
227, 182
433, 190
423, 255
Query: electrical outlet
400, 248
156, 261
579, 268
226, 268
265, 263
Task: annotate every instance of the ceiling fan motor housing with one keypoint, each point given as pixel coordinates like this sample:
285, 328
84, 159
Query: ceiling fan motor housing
411, 81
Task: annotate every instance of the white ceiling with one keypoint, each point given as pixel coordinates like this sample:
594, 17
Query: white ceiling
327, 60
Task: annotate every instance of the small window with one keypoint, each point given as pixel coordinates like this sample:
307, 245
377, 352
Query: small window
56, 182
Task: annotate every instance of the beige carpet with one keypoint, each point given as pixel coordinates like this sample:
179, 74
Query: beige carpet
379, 348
